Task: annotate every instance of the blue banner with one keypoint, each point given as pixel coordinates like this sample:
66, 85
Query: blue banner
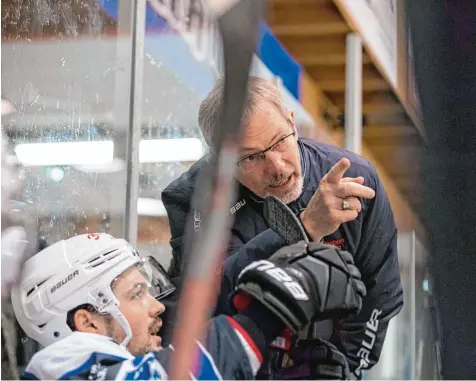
279, 61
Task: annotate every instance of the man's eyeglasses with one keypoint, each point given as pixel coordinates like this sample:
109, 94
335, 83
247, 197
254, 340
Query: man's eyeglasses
251, 162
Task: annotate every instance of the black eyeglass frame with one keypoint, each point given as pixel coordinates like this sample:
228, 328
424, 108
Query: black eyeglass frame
270, 148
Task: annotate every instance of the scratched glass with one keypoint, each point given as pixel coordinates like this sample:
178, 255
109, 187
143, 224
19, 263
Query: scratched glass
62, 67
174, 82
64, 70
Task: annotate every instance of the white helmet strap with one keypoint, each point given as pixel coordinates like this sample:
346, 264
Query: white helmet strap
110, 305
121, 319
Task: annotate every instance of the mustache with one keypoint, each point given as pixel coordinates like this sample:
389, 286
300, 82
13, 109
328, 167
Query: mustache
278, 179
155, 326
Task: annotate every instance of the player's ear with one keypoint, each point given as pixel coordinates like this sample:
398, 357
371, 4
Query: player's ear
86, 321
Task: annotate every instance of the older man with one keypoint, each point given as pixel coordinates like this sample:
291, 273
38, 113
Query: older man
309, 177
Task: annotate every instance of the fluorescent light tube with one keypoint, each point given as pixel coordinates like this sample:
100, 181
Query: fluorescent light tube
65, 153
102, 152
150, 207
169, 150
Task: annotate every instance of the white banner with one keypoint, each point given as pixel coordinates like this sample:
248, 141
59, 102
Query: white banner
376, 21
193, 20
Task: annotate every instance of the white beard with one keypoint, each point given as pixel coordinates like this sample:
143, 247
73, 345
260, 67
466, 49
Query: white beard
291, 195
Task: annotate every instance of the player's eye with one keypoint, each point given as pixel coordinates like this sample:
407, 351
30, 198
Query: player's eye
138, 294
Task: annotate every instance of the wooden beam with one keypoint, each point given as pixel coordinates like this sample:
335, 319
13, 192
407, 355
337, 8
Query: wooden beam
376, 131
396, 117
317, 45
403, 142
334, 86
338, 73
382, 108
408, 150
311, 29
315, 101
302, 13
299, 2
382, 98
324, 60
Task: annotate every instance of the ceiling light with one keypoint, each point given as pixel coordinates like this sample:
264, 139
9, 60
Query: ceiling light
65, 153
100, 153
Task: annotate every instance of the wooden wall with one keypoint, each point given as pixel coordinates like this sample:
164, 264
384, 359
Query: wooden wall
315, 101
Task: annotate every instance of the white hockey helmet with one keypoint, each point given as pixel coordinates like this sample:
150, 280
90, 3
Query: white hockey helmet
79, 270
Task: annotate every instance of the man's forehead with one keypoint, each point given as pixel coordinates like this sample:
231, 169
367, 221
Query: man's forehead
262, 130
265, 115
129, 278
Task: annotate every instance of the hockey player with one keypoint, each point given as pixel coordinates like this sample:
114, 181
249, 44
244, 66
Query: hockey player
94, 304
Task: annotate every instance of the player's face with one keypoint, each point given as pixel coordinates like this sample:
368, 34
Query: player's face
141, 310
279, 174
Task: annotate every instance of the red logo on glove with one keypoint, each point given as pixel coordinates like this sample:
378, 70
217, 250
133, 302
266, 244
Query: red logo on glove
93, 236
283, 341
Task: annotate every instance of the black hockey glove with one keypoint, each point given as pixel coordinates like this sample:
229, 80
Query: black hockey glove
302, 283
313, 359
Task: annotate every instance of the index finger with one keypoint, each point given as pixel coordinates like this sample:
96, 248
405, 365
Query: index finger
334, 176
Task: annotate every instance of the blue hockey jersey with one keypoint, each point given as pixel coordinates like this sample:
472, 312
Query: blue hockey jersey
229, 353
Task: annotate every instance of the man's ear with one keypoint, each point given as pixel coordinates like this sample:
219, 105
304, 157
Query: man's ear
293, 123
86, 321
291, 119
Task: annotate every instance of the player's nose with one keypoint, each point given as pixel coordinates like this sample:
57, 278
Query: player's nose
156, 308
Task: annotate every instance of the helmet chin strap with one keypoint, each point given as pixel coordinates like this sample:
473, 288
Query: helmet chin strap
112, 308
121, 319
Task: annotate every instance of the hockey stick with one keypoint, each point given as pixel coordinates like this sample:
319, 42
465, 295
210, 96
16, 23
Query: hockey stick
238, 23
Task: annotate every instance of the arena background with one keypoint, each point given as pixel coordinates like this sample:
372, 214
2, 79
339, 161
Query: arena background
75, 76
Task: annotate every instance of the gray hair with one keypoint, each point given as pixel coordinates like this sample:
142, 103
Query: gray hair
260, 90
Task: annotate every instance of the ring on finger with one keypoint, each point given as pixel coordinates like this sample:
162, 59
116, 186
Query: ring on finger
345, 204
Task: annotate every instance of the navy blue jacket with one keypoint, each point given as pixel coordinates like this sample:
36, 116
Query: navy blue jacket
371, 239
